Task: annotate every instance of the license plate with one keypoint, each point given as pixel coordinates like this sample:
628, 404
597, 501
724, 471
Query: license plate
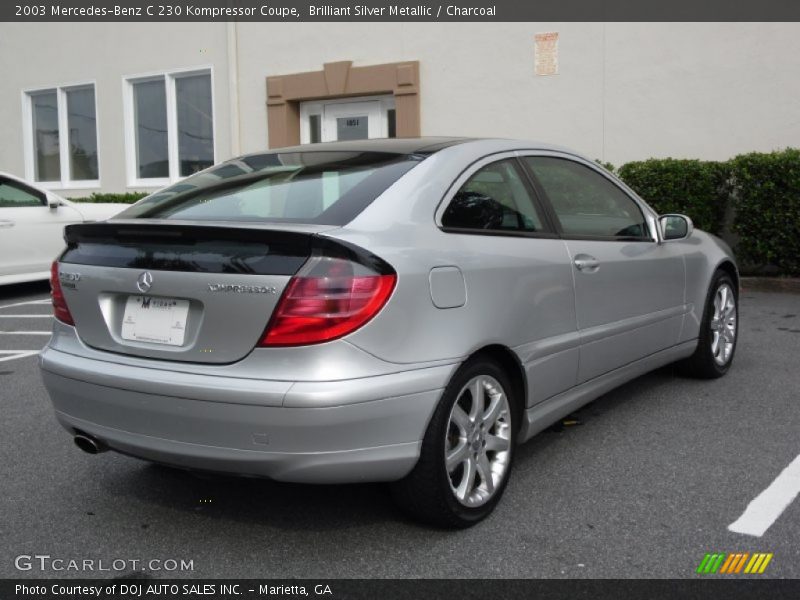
155, 320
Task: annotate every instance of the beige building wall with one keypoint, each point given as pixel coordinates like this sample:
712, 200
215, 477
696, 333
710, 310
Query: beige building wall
42, 55
706, 90
624, 91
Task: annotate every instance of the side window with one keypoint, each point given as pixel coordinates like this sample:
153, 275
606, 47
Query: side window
494, 198
13, 195
585, 202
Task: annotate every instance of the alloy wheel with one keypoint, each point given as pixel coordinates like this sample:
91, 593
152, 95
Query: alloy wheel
723, 324
478, 444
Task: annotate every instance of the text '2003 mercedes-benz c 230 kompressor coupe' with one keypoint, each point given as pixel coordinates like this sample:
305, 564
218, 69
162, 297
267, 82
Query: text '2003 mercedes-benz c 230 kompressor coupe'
396, 310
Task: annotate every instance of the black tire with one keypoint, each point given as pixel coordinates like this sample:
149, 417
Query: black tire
426, 493
702, 363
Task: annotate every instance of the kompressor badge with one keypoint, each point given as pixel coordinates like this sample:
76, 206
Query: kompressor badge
241, 289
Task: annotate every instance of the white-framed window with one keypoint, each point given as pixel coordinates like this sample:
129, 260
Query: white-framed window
169, 125
61, 133
347, 119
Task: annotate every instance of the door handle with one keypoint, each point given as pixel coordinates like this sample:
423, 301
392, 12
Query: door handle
6, 224
586, 263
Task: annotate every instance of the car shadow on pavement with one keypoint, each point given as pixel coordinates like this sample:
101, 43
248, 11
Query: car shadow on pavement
628, 396
254, 501
9, 293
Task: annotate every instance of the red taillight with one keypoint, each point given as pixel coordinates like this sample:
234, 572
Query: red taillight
328, 299
60, 309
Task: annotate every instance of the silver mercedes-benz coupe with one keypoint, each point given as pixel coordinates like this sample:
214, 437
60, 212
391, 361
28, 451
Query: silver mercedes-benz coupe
402, 310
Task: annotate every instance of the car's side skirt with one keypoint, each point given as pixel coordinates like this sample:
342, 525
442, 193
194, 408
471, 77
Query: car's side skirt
542, 415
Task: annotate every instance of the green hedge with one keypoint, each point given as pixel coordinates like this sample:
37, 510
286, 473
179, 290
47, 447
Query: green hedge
699, 189
761, 189
767, 209
129, 198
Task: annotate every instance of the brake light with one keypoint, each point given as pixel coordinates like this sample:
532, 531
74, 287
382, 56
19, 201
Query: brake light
60, 309
329, 298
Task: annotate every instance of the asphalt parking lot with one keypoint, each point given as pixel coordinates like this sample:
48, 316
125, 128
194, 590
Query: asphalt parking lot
644, 486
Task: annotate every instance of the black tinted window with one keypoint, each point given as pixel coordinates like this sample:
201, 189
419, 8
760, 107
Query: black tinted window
494, 198
586, 203
14, 195
328, 188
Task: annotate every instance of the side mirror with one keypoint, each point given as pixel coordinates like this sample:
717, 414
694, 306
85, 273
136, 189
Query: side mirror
53, 204
675, 227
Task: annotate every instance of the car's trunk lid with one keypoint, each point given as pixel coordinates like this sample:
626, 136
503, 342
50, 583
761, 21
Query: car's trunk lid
179, 290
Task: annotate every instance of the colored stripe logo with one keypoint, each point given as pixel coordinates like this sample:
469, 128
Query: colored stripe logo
734, 563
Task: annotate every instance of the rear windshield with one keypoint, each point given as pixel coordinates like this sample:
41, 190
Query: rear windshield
326, 188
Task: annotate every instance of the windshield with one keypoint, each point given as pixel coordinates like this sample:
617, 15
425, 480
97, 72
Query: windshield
327, 188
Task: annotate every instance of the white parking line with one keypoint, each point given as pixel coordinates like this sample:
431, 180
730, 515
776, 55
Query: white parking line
26, 316
26, 333
47, 301
765, 509
15, 354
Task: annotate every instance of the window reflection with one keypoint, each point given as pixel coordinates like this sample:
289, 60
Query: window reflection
46, 157
150, 123
82, 124
195, 125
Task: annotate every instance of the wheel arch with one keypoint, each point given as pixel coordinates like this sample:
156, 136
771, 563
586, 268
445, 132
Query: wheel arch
728, 267
511, 364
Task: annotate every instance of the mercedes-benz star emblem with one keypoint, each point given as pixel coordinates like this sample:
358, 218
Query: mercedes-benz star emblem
145, 282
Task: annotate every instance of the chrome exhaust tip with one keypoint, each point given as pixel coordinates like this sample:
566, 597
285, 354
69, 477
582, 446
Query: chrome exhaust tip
89, 444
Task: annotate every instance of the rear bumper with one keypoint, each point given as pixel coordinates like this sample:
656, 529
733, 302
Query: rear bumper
366, 429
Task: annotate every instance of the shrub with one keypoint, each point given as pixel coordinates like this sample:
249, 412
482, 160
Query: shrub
128, 198
767, 205
606, 165
699, 189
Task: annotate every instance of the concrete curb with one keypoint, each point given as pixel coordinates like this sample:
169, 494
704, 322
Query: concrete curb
789, 285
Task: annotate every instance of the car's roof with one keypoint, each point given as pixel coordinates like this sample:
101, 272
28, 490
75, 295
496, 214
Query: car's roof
18, 179
418, 145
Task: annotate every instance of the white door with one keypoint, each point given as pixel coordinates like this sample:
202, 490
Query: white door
31, 233
352, 121
339, 120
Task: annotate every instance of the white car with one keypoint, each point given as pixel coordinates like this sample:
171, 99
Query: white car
32, 224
